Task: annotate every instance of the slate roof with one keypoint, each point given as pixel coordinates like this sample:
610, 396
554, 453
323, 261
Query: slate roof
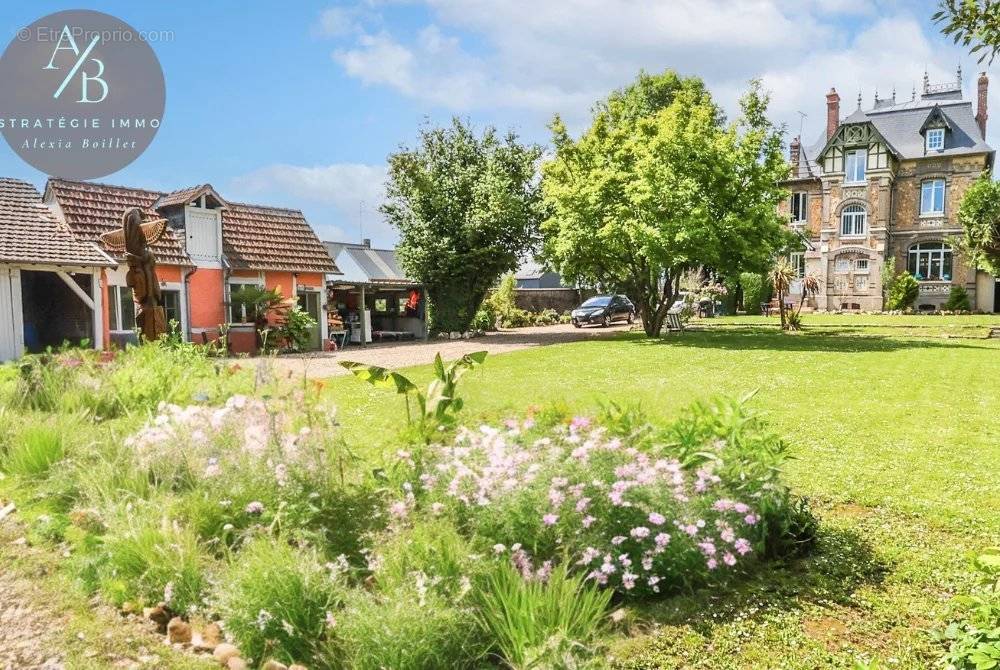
530, 269
90, 209
900, 125
30, 233
254, 237
362, 264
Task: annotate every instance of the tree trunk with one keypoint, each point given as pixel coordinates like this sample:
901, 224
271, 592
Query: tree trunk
781, 307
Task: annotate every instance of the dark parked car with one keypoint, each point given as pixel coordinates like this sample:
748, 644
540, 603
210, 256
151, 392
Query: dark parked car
603, 309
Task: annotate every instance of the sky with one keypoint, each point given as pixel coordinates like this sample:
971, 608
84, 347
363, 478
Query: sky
298, 103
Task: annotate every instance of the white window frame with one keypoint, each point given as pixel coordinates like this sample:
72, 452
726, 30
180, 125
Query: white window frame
861, 283
853, 217
242, 281
803, 203
932, 250
797, 259
935, 139
861, 265
860, 157
933, 187
842, 265
115, 293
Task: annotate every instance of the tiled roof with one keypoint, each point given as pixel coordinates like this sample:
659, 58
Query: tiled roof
29, 233
270, 238
253, 237
186, 195
90, 209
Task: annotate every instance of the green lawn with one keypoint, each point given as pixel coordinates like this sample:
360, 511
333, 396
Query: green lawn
896, 439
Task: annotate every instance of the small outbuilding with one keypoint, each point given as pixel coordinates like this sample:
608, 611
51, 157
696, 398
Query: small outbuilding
372, 299
50, 281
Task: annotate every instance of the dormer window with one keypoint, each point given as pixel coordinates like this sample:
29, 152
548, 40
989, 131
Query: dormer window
854, 166
935, 139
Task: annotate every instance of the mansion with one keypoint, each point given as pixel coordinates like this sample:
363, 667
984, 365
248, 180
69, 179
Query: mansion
886, 182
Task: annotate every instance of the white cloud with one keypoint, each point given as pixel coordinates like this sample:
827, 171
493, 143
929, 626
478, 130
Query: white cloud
542, 57
340, 200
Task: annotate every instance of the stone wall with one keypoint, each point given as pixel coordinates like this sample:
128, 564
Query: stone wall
559, 299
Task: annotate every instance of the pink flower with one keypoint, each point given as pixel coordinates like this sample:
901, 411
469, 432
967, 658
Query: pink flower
587, 521
255, 507
437, 508
712, 564
581, 504
656, 518
499, 548
550, 519
662, 539
639, 532
628, 581
741, 508
742, 546
579, 422
618, 539
729, 559
750, 519
398, 509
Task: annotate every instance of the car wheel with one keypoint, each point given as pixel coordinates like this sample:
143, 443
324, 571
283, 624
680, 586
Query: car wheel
576, 324
606, 322
631, 317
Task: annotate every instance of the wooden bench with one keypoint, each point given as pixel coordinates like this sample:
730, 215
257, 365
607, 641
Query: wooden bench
672, 323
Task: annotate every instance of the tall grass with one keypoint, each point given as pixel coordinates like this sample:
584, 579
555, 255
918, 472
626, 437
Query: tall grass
538, 623
149, 557
408, 628
274, 599
33, 450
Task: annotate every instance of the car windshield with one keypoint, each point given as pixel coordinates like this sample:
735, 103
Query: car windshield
599, 301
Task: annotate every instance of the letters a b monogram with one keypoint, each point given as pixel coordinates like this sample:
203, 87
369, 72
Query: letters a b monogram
81, 58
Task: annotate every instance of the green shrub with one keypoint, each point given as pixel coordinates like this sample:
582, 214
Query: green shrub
34, 449
432, 548
148, 557
533, 622
755, 292
411, 628
645, 512
958, 300
903, 293
276, 600
974, 641
729, 303
484, 320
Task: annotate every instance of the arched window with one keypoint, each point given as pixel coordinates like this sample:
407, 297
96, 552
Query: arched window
853, 220
930, 261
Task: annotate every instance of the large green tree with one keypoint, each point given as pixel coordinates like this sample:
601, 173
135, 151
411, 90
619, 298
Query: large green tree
467, 208
660, 184
979, 214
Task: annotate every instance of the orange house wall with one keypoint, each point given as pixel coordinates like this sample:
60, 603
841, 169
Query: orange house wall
206, 298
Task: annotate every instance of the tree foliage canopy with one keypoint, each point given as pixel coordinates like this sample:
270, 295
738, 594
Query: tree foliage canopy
467, 209
972, 22
979, 215
659, 184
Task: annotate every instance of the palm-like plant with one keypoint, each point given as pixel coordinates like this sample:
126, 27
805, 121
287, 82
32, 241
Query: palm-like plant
261, 303
810, 286
781, 276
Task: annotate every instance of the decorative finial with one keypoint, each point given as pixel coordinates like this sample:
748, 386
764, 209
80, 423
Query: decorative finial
894, 94
859, 98
960, 76
927, 81
876, 97
913, 94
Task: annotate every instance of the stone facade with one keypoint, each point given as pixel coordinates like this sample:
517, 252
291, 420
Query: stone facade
863, 183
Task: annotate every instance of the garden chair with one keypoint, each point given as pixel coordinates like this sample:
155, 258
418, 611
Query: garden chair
672, 323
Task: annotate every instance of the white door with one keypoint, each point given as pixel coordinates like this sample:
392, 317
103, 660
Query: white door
10, 314
202, 235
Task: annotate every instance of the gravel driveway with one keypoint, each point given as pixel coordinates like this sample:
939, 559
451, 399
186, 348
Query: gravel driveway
319, 365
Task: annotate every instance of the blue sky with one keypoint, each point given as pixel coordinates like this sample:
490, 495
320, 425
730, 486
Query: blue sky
297, 104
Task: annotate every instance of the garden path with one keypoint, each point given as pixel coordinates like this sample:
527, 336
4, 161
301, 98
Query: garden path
395, 355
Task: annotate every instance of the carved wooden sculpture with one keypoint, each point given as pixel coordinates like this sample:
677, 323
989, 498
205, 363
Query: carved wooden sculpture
134, 239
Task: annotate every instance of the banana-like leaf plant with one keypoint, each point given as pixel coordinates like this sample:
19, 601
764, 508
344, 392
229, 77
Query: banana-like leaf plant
439, 403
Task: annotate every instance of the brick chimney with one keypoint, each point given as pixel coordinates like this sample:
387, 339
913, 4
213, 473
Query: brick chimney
794, 149
832, 112
983, 85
